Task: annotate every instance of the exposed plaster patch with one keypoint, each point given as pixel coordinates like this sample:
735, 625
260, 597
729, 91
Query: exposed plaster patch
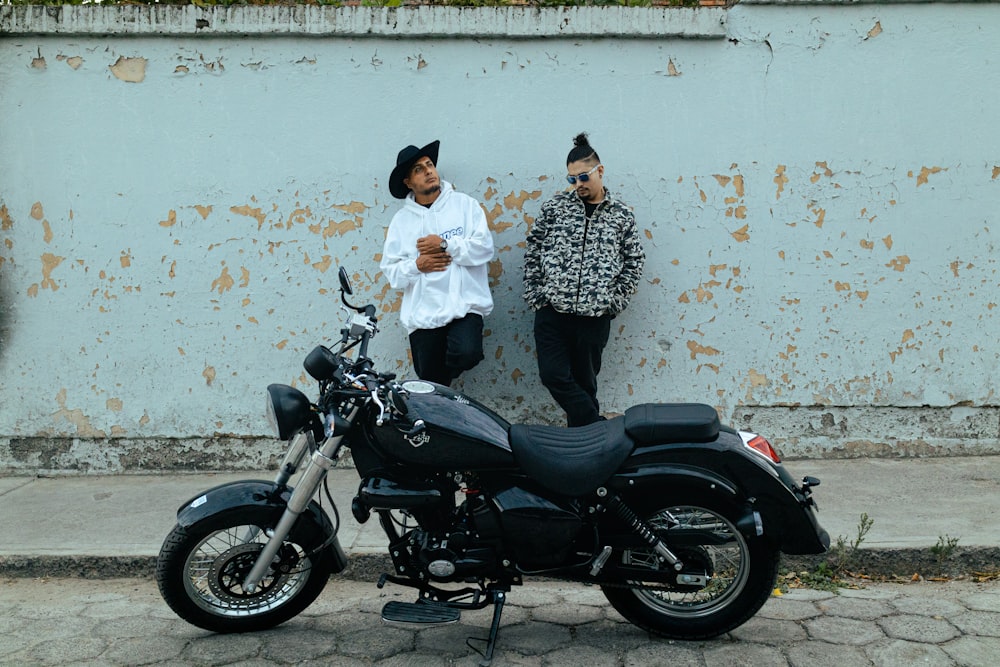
209, 375
250, 212
224, 282
494, 271
899, 263
996, 172
76, 418
925, 172
516, 202
741, 234
126, 259
171, 219
37, 212
780, 180
820, 216
129, 70
114, 404
6, 222
323, 265
46, 231
672, 69
696, 348
244, 281
49, 263
203, 211
73, 61
336, 228
875, 31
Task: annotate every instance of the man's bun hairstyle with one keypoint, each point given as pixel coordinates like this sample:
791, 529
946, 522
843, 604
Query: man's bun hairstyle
582, 150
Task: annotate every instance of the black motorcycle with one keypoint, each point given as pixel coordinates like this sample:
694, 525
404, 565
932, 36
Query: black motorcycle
678, 519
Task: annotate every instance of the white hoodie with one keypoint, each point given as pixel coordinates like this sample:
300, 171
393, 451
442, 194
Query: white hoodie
432, 300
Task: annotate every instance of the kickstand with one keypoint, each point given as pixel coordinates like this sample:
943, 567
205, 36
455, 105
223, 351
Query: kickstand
491, 642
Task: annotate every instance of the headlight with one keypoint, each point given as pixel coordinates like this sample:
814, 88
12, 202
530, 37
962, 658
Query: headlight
288, 410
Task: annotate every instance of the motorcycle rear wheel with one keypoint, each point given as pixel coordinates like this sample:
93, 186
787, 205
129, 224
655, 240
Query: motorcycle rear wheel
200, 570
742, 573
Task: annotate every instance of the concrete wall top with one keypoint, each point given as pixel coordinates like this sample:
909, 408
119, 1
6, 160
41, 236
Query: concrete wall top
403, 22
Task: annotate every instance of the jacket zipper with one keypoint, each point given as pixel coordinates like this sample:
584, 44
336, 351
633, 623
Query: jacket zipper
583, 252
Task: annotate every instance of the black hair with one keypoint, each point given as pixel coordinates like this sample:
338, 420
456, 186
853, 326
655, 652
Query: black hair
582, 150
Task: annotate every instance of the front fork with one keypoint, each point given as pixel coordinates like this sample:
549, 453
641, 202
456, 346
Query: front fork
319, 465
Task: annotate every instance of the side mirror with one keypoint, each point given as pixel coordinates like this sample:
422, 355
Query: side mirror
345, 282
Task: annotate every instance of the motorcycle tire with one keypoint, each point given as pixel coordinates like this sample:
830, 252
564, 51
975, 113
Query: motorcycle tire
200, 570
740, 573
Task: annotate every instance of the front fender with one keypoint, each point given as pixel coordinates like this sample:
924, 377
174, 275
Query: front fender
312, 529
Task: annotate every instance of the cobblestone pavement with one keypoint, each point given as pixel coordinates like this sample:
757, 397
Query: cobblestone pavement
124, 622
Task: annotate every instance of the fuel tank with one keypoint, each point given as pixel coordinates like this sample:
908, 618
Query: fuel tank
461, 433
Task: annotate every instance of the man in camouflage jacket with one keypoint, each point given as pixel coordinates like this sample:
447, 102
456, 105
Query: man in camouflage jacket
582, 263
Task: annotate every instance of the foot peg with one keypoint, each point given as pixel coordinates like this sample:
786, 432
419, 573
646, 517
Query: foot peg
419, 613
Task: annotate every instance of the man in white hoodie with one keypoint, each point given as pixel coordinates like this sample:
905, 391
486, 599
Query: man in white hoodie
436, 251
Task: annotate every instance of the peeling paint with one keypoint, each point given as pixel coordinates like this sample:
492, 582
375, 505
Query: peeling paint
224, 282
49, 264
780, 180
696, 348
250, 212
129, 70
899, 263
171, 219
925, 172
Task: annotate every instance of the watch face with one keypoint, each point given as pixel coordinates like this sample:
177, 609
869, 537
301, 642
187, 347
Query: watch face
444, 244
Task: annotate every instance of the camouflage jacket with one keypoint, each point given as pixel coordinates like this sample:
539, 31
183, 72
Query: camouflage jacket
580, 266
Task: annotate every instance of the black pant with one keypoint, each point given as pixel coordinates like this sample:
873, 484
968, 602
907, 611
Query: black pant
440, 355
569, 351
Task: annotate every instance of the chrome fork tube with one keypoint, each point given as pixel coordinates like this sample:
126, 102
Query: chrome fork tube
319, 464
293, 457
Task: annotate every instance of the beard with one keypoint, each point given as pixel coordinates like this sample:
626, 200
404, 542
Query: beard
430, 190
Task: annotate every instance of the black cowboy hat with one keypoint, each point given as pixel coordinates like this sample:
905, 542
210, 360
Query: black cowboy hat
404, 162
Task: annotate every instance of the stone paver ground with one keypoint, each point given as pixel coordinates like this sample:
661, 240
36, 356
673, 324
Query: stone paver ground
125, 622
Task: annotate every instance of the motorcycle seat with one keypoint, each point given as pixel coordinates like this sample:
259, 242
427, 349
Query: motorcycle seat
665, 423
571, 461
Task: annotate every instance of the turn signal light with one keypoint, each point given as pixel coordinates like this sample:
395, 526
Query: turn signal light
760, 444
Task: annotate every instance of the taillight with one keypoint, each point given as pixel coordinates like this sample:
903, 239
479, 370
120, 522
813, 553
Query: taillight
759, 444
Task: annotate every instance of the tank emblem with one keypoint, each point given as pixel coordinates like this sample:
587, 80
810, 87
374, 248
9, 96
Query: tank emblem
462, 399
418, 439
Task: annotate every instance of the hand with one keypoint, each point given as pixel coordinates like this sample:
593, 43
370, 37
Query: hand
429, 245
438, 261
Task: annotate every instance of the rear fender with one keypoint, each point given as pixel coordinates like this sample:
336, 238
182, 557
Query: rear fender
641, 487
655, 478
312, 530
767, 509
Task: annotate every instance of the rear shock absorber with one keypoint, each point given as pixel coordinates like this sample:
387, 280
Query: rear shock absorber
645, 531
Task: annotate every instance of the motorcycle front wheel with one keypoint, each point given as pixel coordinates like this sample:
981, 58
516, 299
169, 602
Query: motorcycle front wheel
201, 568
735, 574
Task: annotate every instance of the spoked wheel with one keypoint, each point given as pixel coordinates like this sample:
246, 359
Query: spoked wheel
726, 579
200, 572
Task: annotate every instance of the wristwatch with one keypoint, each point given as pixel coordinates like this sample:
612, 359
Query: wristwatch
444, 244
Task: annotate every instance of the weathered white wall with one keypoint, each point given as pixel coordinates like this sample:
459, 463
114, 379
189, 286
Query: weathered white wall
817, 186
